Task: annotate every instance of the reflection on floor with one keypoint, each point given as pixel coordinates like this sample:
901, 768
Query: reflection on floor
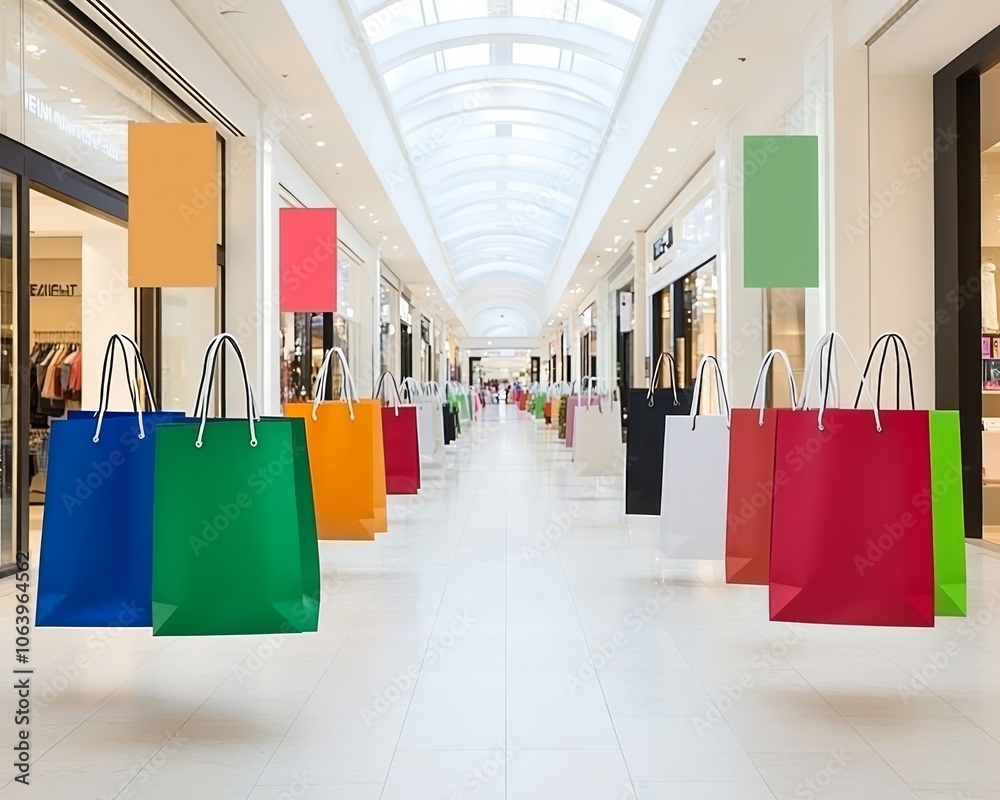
991, 533
515, 637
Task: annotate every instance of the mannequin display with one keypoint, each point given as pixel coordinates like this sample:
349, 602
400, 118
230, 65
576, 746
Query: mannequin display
991, 322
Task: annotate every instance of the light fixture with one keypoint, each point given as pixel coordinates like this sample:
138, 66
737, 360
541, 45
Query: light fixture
649, 186
694, 123
75, 100
608, 249
65, 88
375, 222
717, 82
659, 170
31, 48
637, 201
339, 164
626, 221
385, 238
559, 314
362, 207
590, 270
489, 344
321, 144
307, 115
395, 247
371, 213
654, 177
671, 149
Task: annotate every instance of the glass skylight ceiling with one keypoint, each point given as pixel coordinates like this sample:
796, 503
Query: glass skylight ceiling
503, 105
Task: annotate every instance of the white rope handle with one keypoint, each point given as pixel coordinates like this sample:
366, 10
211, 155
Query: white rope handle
765, 368
319, 388
720, 385
656, 375
106, 373
813, 366
395, 389
208, 373
413, 387
833, 338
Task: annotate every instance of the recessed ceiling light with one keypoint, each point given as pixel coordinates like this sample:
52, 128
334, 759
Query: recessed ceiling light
608, 249
559, 314
385, 238
654, 177
307, 115
75, 100
321, 144
395, 247
375, 222
371, 213
339, 164
65, 88
625, 222
671, 149
717, 82
649, 186
694, 123
637, 201
489, 343
590, 270
362, 208
659, 170
31, 48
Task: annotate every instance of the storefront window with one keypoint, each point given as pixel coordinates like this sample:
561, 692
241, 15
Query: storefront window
389, 327
786, 330
8, 193
699, 302
76, 99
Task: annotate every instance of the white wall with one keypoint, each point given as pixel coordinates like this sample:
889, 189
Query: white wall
902, 227
108, 308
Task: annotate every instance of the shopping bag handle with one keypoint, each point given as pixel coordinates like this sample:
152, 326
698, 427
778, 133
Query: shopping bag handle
349, 386
833, 338
395, 389
898, 342
812, 365
765, 368
208, 374
656, 375
411, 389
107, 372
720, 384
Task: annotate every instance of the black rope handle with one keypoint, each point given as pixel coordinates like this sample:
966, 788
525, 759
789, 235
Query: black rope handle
898, 342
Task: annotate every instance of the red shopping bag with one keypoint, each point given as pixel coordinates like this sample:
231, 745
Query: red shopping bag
400, 443
851, 543
751, 482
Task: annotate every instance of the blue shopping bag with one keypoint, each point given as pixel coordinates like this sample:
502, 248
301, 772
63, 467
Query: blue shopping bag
95, 568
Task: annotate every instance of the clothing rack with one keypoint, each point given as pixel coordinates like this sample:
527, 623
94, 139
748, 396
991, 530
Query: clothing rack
59, 337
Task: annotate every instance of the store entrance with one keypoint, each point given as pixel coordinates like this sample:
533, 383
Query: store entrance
64, 284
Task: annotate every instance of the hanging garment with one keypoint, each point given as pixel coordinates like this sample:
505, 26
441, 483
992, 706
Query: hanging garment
991, 314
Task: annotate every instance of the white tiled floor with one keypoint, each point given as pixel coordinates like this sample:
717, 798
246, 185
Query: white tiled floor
515, 636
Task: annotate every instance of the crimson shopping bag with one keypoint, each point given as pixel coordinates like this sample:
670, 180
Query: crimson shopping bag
849, 545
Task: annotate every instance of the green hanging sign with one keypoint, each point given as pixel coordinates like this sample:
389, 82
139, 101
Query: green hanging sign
781, 212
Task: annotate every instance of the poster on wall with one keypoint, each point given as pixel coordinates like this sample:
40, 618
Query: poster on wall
308, 260
781, 212
173, 205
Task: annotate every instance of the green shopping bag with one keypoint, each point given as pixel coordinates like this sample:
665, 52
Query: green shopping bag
540, 405
234, 527
950, 589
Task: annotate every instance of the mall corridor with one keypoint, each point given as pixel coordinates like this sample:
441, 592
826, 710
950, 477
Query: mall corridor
515, 636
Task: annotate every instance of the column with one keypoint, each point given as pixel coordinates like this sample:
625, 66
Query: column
642, 334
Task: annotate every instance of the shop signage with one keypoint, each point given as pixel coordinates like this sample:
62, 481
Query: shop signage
54, 290
665, 243
625, 310
93, 139
308, 262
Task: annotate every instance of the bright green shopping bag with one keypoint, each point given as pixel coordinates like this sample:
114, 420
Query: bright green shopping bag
948, 514
234, 527
540, 405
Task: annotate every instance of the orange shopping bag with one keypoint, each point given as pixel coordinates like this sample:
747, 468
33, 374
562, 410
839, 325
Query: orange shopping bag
346, 458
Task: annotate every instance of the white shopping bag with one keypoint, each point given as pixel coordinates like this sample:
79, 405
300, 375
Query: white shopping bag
696, 478
430, 425
597, 439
